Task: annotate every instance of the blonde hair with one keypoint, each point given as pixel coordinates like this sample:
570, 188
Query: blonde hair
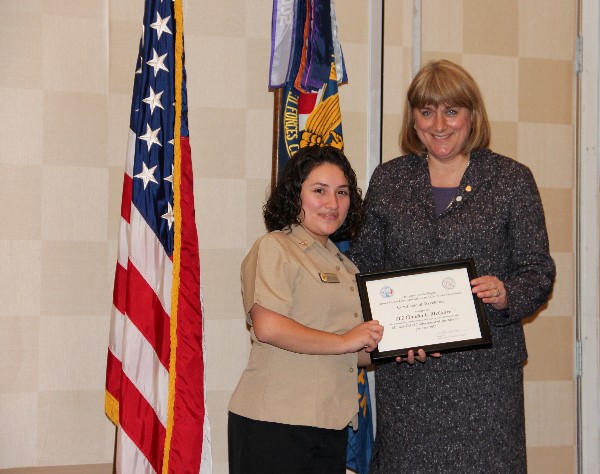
444, 83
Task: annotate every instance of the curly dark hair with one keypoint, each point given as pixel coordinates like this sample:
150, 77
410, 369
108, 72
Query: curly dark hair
283, 207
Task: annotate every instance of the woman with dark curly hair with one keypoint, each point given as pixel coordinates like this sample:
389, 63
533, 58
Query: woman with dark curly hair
299, 293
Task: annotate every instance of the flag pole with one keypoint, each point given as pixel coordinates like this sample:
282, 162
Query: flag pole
114, 466
277, 95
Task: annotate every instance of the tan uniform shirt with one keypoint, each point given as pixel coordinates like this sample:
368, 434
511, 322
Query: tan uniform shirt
285, 272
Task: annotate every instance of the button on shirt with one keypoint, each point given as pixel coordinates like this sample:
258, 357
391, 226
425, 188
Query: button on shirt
282, 273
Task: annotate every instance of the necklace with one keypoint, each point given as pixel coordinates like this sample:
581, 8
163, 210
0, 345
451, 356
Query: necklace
442, 177
468, 161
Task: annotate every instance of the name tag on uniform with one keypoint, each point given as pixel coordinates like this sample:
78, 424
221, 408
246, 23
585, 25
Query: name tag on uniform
329, 278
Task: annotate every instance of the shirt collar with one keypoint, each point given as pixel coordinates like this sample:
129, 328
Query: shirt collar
305, 240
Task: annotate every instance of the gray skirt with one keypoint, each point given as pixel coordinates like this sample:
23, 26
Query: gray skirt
431, 421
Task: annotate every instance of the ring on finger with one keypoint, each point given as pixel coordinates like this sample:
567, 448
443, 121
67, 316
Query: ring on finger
497, 292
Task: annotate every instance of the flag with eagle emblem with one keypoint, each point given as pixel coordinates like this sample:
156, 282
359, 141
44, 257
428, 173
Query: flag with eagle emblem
307, 64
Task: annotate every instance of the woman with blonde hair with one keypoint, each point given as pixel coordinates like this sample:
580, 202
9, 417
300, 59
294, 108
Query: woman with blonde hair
451, 197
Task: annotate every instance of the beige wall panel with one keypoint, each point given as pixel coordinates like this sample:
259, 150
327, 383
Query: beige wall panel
395, 77
398, 18
75, 278
545, 148
81, 469
391, 133
552, 460
119, 107
559, 218
110, 266
123, 43
223, 18
63, 186
115, 192
397, 73
545, 91
111, 262
549, 339
72, 133
498, 79
435, 55
218, 286
257, 76
258, 21
558, 207
214, 153
21, 54
30, 6
217, 402
77, 8
213, 86
72, 429
220, 468
352, 25
257, 193
259, 142
127, 11
19, 415
547, 29
505, 139
71, 353
70, 64
407, 22
354, 95
21, 194
491, 27
21, 118
563, 295
229, 343
19, 353
221, 291
354, 126
442, 26
20, 277
550, 413
220, 212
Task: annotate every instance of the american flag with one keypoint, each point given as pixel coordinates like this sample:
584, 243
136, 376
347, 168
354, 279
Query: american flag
155, 382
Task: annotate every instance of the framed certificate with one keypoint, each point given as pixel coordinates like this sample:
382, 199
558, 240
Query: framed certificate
429, 307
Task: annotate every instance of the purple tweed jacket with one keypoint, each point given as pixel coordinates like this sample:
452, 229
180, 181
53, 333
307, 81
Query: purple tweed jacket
496, 218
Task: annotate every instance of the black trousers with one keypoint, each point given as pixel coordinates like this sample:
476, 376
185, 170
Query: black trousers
261, 447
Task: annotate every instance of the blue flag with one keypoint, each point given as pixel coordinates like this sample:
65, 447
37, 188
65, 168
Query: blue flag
308, 64
360, 442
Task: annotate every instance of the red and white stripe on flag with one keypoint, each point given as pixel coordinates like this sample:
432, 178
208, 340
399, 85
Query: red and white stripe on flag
306, 104
155, 381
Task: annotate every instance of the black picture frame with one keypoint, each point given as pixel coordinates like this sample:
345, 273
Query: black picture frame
442, 316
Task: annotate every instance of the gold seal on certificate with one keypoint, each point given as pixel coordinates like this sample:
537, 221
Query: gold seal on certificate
429, 306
